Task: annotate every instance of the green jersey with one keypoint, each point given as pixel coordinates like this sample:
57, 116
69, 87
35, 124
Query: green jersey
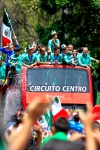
29, 60
56, 58
67, 58
51, 44
42, 58
2, 71
17, 62
2, 146
23, 55
84, 60
58, 136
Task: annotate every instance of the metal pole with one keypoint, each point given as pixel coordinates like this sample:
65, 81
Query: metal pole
11, 26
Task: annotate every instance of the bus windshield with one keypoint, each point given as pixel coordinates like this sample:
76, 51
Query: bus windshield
57, 80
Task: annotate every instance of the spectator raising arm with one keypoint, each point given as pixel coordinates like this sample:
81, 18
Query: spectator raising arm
86, 118
4, 50
97, 61
35, 109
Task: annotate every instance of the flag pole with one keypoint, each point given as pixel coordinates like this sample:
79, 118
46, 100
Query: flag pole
11, 27
1, 35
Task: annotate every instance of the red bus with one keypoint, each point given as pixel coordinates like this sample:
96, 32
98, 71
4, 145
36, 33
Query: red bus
71, 84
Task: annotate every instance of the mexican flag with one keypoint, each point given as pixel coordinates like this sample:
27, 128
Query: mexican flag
96, 113
51, 116
58, 110
6, 30
45, 121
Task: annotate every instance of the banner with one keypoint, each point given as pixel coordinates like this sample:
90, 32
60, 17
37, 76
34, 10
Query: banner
79, 89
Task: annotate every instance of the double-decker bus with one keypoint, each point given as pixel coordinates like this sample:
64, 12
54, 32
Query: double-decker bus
71, 84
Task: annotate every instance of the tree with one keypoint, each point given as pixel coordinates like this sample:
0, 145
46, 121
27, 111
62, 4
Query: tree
78, 22
25, 16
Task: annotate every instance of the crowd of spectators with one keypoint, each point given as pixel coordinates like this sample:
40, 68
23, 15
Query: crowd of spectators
25, 134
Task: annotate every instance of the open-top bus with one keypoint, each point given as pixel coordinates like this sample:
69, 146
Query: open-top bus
71, 84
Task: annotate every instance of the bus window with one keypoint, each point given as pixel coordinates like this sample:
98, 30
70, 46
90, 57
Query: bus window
66, 79
76, 77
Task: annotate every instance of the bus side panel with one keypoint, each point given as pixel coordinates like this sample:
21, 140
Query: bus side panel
23, 87
91, 89
67, 98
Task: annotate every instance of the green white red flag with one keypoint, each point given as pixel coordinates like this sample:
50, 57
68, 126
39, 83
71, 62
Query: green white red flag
58, 110
6, 30
51, 116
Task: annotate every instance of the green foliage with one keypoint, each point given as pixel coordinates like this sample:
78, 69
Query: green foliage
76, 22
42, 34
61, 4
48, 5
98, 98
95, 53
52, 6
45, 33
81, 23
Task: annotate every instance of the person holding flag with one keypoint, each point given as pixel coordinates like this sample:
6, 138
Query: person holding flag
8, 47
9, 53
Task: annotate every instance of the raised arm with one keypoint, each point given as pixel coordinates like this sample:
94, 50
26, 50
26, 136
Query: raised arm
2, 49
80, 62
86, 119
35, 109
56, 43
